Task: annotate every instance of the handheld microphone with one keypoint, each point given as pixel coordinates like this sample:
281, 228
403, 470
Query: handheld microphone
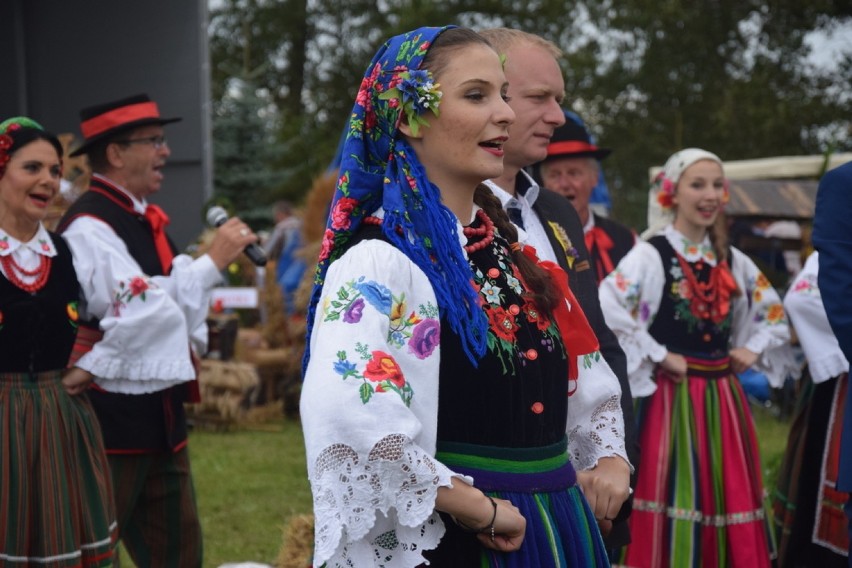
216, 217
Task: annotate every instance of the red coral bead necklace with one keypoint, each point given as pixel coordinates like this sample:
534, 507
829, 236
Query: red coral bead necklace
486, 231
15, 273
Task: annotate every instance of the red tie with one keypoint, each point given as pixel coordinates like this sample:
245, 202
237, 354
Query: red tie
597, 238
158, 221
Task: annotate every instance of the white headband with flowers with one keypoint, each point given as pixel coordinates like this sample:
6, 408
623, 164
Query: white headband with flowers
660, 211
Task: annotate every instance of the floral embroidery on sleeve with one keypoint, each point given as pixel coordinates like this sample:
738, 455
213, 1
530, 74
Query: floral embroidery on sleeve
4, 242
127, 291
772, 313
420, 328
381, 374
639, 309
806, 285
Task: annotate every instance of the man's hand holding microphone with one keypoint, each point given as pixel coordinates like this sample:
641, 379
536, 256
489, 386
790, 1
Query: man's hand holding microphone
232, 237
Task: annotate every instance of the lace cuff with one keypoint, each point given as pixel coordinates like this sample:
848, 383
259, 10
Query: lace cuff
378, 508
602, 438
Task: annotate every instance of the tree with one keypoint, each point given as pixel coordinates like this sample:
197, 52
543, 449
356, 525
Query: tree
245, 148
728, 76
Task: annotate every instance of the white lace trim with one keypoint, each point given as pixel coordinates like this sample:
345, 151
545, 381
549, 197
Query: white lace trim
378, 509
603, 438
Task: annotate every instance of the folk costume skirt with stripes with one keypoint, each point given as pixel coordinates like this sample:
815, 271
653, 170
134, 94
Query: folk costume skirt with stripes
56, 502
810, 525
561, 529
699, 498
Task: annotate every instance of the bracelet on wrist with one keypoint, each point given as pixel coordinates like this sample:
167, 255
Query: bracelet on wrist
489, 528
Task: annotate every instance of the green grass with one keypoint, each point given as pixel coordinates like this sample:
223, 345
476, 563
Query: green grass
772, 439
251, 481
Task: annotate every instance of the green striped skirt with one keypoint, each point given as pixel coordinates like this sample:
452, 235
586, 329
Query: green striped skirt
56, 501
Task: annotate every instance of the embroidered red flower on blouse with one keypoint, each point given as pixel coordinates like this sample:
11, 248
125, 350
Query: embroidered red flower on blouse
383, 367
138, 285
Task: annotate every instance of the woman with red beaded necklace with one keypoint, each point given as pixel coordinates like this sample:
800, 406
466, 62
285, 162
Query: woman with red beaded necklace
52, 459
690, 312
441, 355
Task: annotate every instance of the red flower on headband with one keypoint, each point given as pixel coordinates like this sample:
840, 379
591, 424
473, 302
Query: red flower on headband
5, 143
665, 193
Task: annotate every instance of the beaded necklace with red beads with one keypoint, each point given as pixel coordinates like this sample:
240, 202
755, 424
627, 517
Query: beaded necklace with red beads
15, 273
486, 231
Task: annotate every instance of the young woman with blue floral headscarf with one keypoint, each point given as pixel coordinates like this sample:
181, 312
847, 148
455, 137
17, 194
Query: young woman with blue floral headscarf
441, 356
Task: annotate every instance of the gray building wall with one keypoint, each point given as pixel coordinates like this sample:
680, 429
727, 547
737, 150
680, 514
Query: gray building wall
59, 56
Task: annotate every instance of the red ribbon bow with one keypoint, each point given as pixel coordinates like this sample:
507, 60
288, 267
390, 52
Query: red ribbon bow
577, 335
158, 220
597, 238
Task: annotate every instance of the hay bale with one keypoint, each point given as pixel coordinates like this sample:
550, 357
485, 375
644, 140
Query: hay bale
228, 389
297, 549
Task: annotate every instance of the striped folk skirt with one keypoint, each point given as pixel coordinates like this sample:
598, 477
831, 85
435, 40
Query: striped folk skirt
699, 497
56, 501
810, 525
541, 483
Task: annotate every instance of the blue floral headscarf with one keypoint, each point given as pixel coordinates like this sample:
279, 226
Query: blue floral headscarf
379, 168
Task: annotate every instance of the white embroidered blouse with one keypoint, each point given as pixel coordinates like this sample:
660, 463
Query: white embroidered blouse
803, 303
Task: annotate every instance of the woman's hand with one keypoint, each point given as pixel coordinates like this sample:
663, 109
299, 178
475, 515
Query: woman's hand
742, 359
76, 380
473, 510
606, 486
675, 366
509, 528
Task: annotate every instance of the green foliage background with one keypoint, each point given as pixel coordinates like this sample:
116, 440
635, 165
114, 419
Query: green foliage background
731, 76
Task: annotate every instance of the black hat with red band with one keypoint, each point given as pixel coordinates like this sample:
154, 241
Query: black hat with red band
571, 140
103, 121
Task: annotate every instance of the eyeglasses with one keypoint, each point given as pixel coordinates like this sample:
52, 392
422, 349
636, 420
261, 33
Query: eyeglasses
156, 141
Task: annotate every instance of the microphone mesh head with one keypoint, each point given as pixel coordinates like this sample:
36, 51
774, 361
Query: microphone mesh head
216, 216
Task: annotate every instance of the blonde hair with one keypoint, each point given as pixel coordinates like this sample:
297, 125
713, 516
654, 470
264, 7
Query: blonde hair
504, 39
